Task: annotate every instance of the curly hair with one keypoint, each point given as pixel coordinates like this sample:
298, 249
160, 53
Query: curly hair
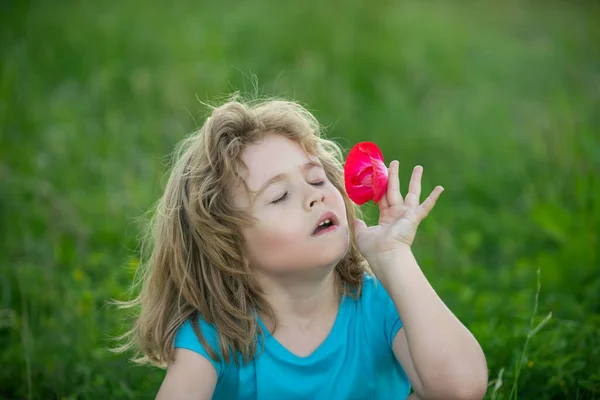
196, 265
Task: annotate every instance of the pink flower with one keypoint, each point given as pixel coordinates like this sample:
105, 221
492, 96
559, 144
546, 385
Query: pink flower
365, 174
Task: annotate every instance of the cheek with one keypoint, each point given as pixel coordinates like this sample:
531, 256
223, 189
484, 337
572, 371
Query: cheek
338, 204
273, 241
272, 237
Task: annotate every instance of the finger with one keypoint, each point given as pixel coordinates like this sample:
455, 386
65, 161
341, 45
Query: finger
414, 188
359, 226
394, 197
383, 202
429, 202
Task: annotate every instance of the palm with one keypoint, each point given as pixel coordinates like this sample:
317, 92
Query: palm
398, 217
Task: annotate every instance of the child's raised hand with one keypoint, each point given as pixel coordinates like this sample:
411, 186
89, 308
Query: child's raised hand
398, 218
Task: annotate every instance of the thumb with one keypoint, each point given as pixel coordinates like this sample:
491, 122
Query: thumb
359, 226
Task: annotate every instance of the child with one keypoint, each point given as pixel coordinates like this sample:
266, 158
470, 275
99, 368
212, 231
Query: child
263, 283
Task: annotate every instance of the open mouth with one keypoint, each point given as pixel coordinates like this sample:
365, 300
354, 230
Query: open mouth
327, 222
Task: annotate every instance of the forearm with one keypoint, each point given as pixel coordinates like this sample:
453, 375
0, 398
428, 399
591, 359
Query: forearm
444, 353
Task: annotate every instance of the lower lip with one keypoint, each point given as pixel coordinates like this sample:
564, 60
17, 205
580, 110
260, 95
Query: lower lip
326, 230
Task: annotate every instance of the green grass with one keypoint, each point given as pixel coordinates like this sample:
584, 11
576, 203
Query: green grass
499, 101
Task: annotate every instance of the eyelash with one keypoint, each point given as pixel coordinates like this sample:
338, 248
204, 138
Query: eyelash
279, 200
282, 198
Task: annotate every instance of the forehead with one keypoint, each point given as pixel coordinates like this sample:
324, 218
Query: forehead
273, 155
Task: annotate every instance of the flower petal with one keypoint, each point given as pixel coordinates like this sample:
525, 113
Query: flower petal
363, 178
360, 194
380, 180
365, 174
356, 161
371, 149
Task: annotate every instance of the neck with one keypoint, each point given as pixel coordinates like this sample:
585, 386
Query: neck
299, 300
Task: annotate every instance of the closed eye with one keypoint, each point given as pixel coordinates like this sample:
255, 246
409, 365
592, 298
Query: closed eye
279, 200
282, 198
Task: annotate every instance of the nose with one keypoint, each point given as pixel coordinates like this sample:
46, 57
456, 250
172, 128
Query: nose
314, 197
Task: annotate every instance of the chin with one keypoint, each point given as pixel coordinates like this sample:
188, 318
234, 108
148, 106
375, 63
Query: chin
322, 260
335, 252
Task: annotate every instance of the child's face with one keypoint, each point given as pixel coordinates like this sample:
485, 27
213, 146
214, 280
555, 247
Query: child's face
288, 209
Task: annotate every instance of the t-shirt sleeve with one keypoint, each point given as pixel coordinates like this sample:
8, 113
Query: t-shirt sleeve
383, 307
186, 338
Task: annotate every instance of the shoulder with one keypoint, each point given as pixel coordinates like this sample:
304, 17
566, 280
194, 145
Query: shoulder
189, 375
187, 333
197, 335
373, 290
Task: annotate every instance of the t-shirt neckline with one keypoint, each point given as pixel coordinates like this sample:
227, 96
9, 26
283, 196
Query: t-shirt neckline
282, 352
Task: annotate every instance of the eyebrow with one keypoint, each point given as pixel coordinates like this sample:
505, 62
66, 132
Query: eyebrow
280, 177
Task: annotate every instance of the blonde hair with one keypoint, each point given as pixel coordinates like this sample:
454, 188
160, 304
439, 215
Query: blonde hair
197, 266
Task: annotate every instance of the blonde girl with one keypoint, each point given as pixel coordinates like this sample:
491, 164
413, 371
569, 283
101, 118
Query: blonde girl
264, 283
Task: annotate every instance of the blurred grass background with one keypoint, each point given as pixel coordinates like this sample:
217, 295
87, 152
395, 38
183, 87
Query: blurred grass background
499, 101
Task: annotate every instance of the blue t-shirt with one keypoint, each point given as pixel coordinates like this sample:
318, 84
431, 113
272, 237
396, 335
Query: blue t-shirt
355, 361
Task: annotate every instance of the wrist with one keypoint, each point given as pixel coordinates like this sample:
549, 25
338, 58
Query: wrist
383, 261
